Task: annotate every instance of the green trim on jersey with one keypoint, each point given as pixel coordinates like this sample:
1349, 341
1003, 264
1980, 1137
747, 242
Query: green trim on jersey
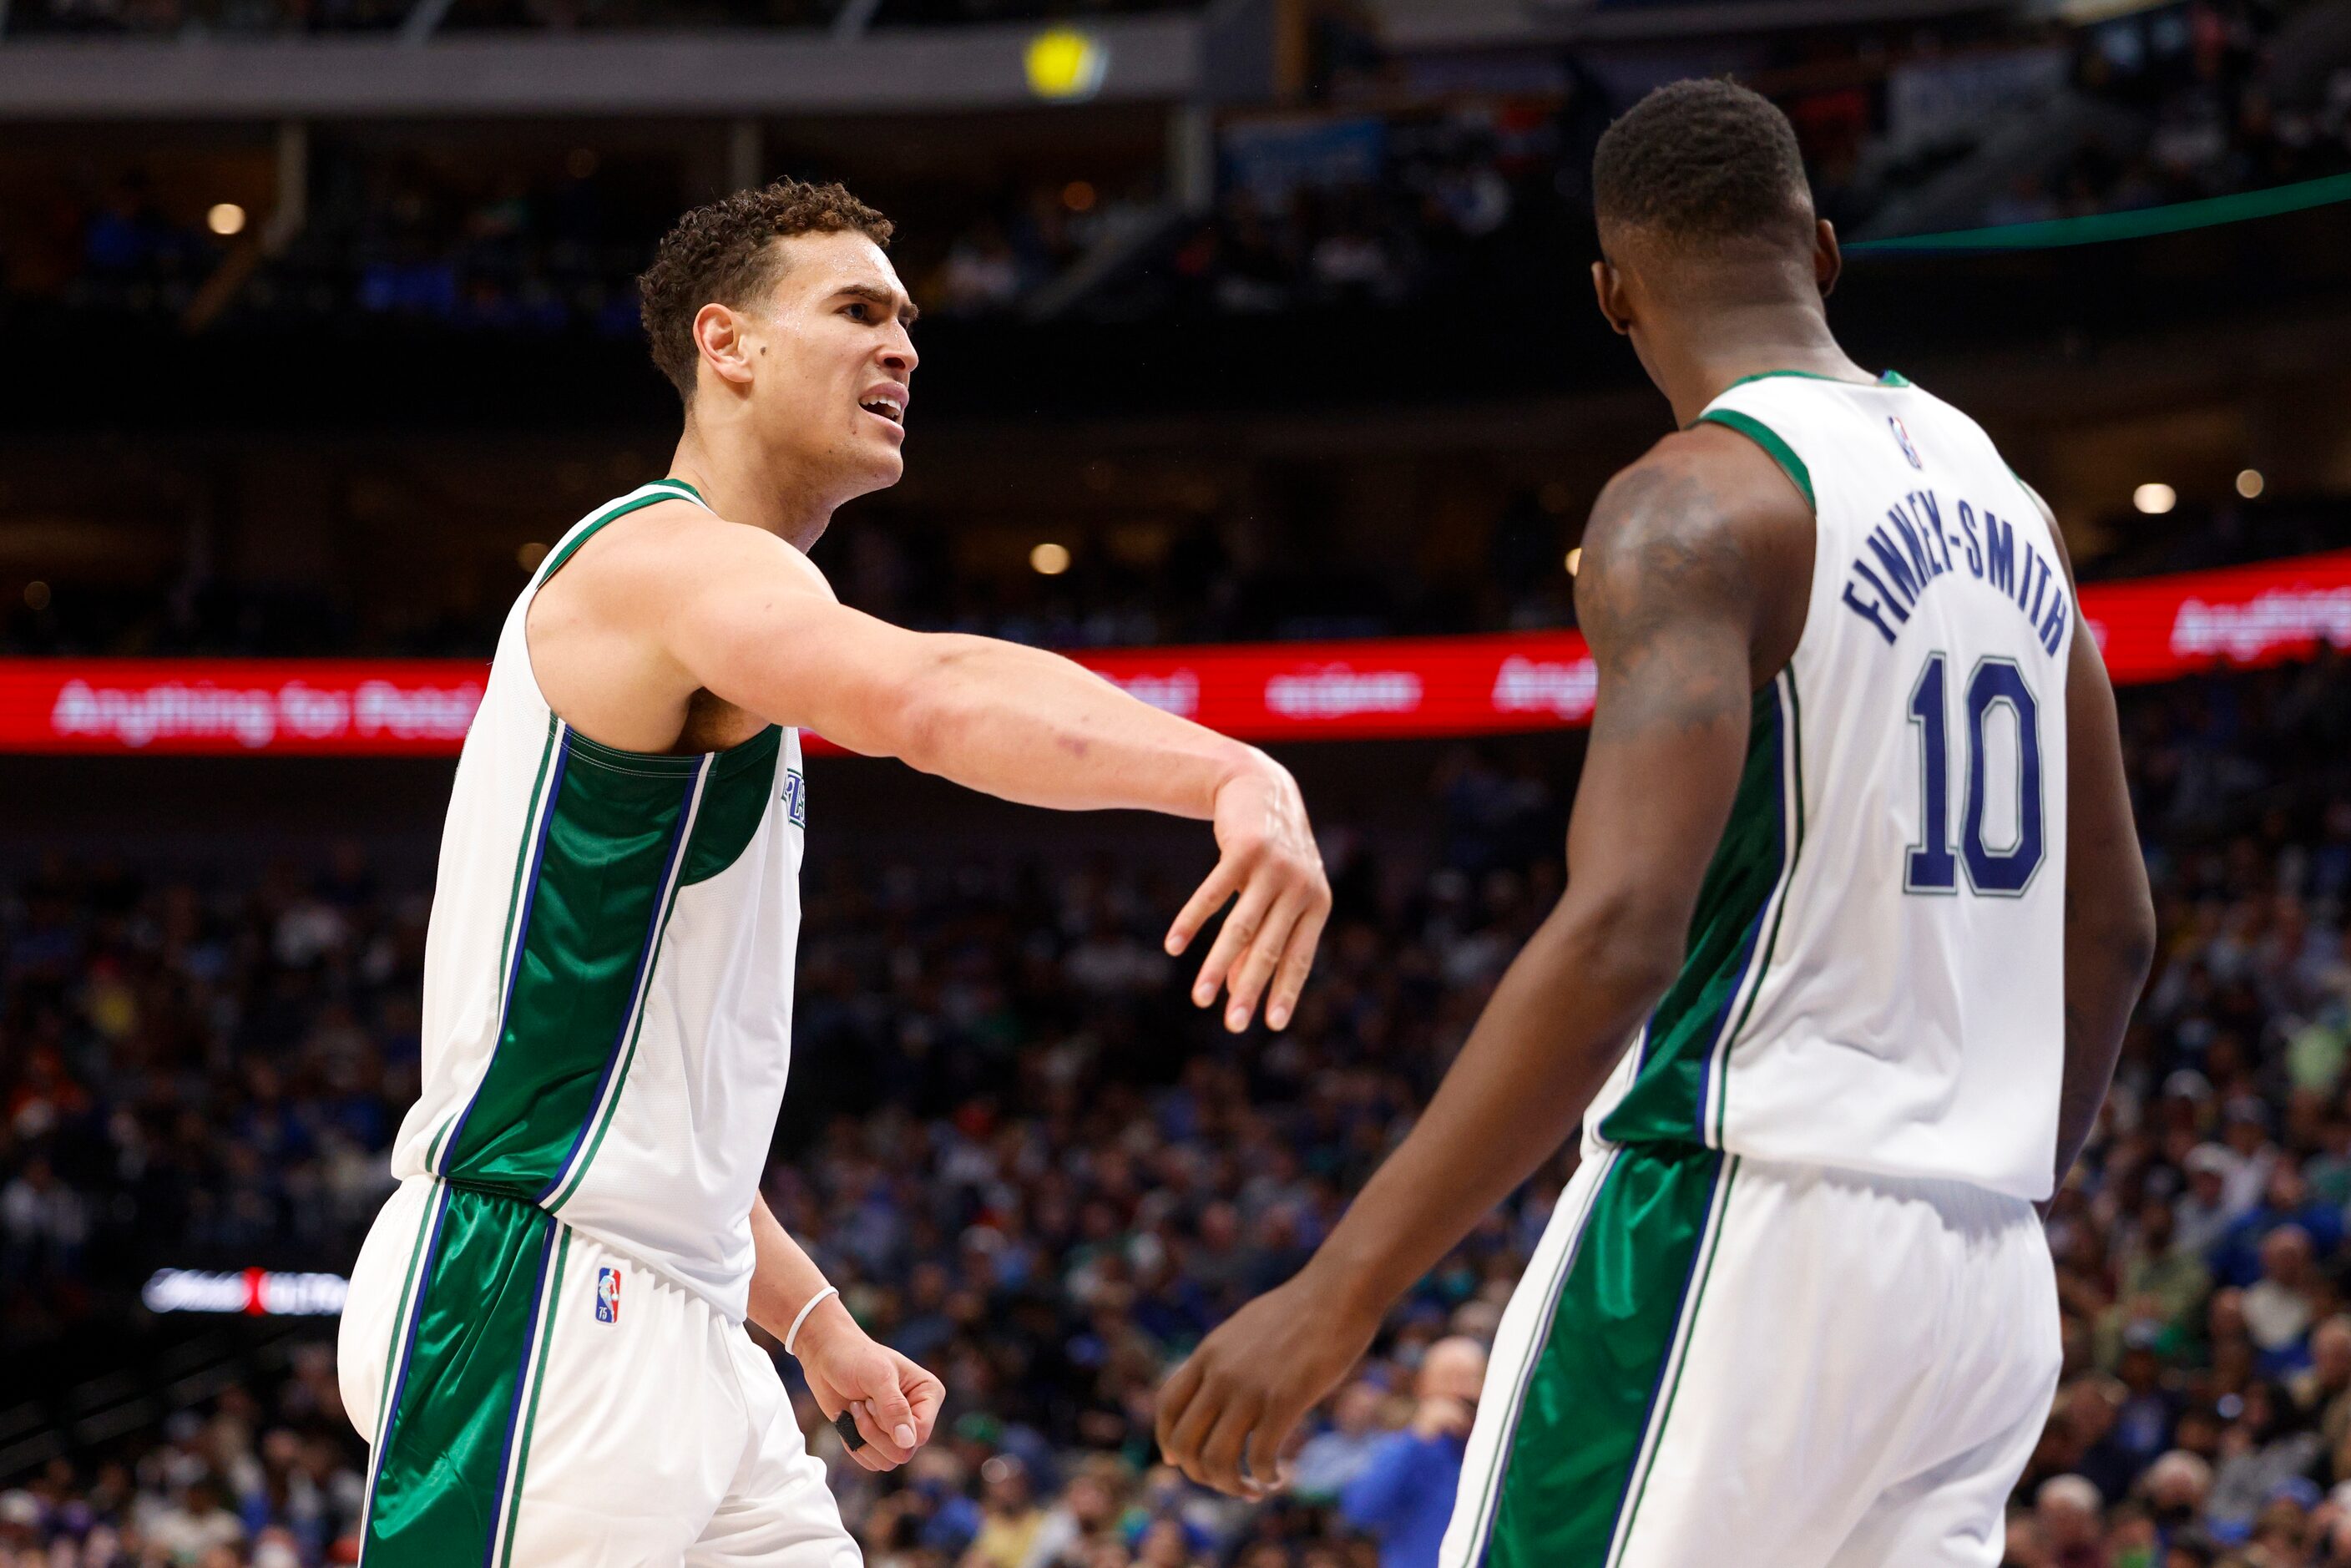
442, 1465
1795, 722
742, 784
635, 501
1684, 1048
528, 837
1764, 436
1884, 379
1595, 1402
599, 898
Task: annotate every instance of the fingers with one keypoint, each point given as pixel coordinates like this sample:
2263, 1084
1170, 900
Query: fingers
870, 1457
894, 1416
1259, 966
1263, 1467
1205, 1426
1220, 1455
1183, 1429
883, 1415
1205, 901
924, 1395
1296, 963
1240, 930
1174, 1395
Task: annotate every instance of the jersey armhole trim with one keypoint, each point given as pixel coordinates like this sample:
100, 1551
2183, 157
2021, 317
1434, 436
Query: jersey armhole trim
650, 495
1764, 436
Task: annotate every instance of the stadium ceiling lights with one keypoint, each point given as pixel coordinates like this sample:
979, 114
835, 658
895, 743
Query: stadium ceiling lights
1065, 65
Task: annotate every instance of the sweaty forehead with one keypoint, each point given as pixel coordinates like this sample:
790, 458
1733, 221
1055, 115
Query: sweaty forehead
813, 266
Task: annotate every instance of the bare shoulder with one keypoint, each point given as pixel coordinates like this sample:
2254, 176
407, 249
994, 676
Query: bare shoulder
676, 550
1705, 527
1704, 511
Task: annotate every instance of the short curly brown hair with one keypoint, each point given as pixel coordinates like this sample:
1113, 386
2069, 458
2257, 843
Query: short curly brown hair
722, 255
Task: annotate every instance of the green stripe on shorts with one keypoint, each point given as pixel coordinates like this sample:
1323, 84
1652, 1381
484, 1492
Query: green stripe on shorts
442, 1465
1601, 1376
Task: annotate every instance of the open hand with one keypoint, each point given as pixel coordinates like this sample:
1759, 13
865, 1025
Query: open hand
894, 1401
1270, 861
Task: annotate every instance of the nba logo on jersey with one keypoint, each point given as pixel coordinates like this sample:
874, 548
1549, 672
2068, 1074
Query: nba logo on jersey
1901, 434
795, 798
608, 1295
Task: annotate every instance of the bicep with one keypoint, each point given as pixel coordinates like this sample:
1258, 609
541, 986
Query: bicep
1668, 602
1660, 775
2102, 844
749, 619
2101, 838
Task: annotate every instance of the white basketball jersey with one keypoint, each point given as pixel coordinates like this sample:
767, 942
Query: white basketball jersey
1876, 971
608, 974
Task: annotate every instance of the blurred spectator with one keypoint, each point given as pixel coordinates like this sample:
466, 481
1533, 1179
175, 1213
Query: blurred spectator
1335, 1455
1404, 1494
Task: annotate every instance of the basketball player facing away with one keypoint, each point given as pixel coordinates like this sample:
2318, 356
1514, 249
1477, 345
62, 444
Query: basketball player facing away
1855, 917
544, 1344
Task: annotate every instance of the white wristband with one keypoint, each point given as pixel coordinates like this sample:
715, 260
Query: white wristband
793, 1333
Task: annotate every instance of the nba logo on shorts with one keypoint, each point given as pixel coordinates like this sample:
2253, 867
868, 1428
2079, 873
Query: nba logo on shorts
1894, 423
608, 1295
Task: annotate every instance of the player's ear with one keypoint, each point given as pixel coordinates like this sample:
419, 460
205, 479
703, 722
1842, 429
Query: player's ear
1607, 288
721, 343
1828, 261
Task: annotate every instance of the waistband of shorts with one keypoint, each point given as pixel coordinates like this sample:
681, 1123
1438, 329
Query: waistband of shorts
615, 1245
1961, 1199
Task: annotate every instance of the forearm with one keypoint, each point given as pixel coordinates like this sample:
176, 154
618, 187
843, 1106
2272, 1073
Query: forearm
1554, 1030
747, 619
1033, 726
784, 1278
2106, 966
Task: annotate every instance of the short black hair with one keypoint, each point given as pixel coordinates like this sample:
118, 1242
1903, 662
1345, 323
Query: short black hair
1704, 161
724, 253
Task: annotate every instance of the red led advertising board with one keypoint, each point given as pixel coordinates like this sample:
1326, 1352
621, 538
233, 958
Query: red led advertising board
2151, 629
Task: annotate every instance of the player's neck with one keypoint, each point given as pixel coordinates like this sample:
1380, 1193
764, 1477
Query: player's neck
1707, 351
742, 482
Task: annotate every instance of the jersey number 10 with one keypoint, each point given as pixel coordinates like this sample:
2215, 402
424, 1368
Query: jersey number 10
1995, 873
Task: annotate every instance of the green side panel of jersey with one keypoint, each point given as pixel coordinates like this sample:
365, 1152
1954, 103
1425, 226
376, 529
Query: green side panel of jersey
1601, 1378
442, 1468
733, 803
588, 928
1668, 1098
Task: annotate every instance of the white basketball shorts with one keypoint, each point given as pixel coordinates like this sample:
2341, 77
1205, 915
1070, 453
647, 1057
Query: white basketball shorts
1713, 1360
535, 1399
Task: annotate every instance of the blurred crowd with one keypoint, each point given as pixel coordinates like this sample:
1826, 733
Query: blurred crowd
1029, 1162
2225, 96
1425, 188
247, 17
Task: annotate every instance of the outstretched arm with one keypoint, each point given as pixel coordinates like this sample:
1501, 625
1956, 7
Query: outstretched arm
1682, 561
693, 603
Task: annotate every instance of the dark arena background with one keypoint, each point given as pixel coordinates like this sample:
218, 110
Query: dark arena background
1260, 372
